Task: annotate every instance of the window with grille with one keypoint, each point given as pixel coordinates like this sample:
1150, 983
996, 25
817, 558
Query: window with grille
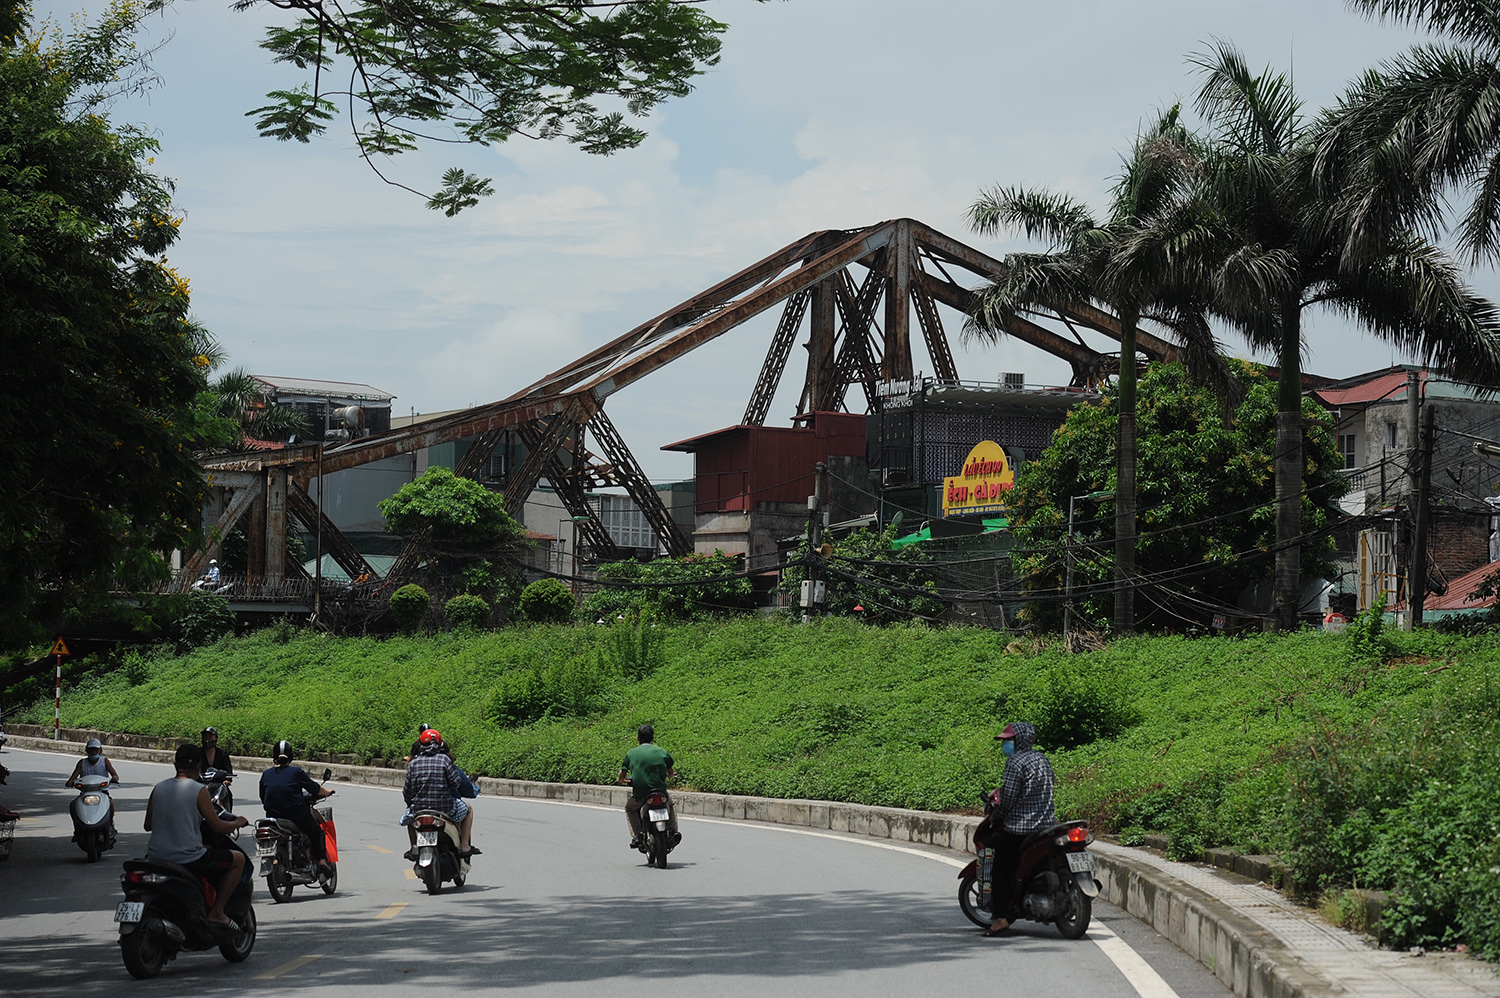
626, 525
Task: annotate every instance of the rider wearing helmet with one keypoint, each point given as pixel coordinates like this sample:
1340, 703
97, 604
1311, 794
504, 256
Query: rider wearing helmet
434, 783
215, 757
94, 763
287, 792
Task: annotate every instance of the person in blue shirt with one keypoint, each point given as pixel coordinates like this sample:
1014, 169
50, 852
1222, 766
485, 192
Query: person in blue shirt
287, 792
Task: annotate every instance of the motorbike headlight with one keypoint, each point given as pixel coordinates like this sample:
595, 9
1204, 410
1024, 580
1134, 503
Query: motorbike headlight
91, 798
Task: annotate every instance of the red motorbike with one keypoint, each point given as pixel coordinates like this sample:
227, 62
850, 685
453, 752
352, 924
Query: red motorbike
1054, 880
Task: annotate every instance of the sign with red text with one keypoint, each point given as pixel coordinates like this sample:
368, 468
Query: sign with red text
983, 483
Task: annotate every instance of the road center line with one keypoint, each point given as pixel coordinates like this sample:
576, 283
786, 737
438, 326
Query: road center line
287, 968
1146, 981
388, 852
411, 874
393, 910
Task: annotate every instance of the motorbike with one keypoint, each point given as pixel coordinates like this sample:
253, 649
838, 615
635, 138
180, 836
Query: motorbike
1055, 871
218, 781
285, 858
165, 912
657, 839
93, 828
438, 858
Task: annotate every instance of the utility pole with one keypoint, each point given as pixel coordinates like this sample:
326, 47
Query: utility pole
1416, 572
814, 587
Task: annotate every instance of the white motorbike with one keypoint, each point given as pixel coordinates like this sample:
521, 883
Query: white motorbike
93, 829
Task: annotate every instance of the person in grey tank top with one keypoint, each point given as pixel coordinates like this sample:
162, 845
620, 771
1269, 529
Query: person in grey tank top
94, 763
173, 816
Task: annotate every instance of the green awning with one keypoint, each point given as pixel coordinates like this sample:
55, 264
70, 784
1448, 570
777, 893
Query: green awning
991, 524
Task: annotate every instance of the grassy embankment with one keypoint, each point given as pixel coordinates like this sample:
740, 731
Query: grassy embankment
1365, 759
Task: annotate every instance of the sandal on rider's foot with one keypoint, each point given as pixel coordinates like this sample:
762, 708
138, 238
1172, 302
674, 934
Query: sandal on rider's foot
471, 851
992, 932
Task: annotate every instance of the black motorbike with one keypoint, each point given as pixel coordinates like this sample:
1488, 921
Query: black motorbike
286, 859
1055, 872
217, 781
657, 838
165, 912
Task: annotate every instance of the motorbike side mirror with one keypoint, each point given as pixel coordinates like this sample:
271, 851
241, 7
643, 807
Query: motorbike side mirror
327, 775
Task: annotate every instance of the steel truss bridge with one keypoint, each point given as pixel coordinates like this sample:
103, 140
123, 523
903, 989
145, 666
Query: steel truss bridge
851, 292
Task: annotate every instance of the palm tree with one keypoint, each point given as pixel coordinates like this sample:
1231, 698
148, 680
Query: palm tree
1418, 127
1276, 244
1125, 264
242, 398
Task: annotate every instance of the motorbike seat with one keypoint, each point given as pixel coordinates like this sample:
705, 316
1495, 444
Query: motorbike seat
1053, 830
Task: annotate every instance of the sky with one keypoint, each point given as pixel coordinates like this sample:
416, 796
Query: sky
821, 114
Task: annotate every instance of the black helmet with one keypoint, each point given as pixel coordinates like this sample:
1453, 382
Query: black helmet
209, 731
282, 751
424, 726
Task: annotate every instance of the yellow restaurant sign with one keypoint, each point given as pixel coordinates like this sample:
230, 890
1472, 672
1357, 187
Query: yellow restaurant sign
981, 487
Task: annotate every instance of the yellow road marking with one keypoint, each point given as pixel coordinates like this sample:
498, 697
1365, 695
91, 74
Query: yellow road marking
287, 968
393, 910
388, 852
411, 874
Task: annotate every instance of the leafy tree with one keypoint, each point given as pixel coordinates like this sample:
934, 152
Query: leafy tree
1273, 246
482, 71
105, 403
457, 515
688, 588
868, 579
1207, 495
1125, 264
547, 601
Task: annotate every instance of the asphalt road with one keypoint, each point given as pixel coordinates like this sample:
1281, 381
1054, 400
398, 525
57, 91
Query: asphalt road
558, 906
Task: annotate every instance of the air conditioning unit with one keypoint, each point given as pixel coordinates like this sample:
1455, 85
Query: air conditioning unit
1013, 379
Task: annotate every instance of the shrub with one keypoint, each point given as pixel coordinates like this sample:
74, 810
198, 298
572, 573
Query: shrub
1080, 703
662, 588
634, 645
466, 612
205, 619
408, 605
571, 688
547, 601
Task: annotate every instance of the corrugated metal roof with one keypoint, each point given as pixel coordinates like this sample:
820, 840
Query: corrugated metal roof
1384, 387
313, 388
1457, 596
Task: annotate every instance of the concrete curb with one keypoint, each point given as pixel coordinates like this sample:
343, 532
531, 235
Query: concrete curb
1247, 958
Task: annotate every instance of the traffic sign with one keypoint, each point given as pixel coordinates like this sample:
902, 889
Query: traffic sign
59, 647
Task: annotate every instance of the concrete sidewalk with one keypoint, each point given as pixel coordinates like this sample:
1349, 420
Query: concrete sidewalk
1255, 940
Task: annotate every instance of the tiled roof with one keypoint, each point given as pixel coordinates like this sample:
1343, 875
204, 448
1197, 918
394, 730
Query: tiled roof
1391, 385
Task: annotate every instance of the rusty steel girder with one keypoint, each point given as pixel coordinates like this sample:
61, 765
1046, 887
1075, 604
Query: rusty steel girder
302, 506
907, 267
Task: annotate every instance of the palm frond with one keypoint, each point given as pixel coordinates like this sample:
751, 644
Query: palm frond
1249, 112
1468, 20
1056, 219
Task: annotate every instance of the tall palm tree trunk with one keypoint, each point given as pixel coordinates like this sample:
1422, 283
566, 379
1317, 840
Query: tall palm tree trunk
1125, 480
1288, 470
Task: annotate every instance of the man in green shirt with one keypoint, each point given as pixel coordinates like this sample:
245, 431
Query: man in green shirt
647, 767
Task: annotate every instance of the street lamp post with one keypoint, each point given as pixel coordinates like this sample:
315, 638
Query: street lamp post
1068, 584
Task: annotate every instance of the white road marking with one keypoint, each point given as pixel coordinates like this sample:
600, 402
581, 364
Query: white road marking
1146, 981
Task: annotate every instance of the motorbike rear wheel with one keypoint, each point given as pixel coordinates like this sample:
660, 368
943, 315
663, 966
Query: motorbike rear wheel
330, 883
1078, 908
279, 883
968, 900
656, 849
142, 950
240, 945
432, 876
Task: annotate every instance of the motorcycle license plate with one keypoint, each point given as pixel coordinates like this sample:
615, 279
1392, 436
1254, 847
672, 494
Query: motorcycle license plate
427, 838
265, 848
1080, 862
130, 911
658, 814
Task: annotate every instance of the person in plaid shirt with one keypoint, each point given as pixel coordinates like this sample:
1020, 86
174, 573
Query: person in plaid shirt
1023, 805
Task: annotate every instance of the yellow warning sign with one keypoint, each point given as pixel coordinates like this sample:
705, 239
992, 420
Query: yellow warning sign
59, 647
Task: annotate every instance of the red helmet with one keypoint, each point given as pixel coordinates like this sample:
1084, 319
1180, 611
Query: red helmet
429, 736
